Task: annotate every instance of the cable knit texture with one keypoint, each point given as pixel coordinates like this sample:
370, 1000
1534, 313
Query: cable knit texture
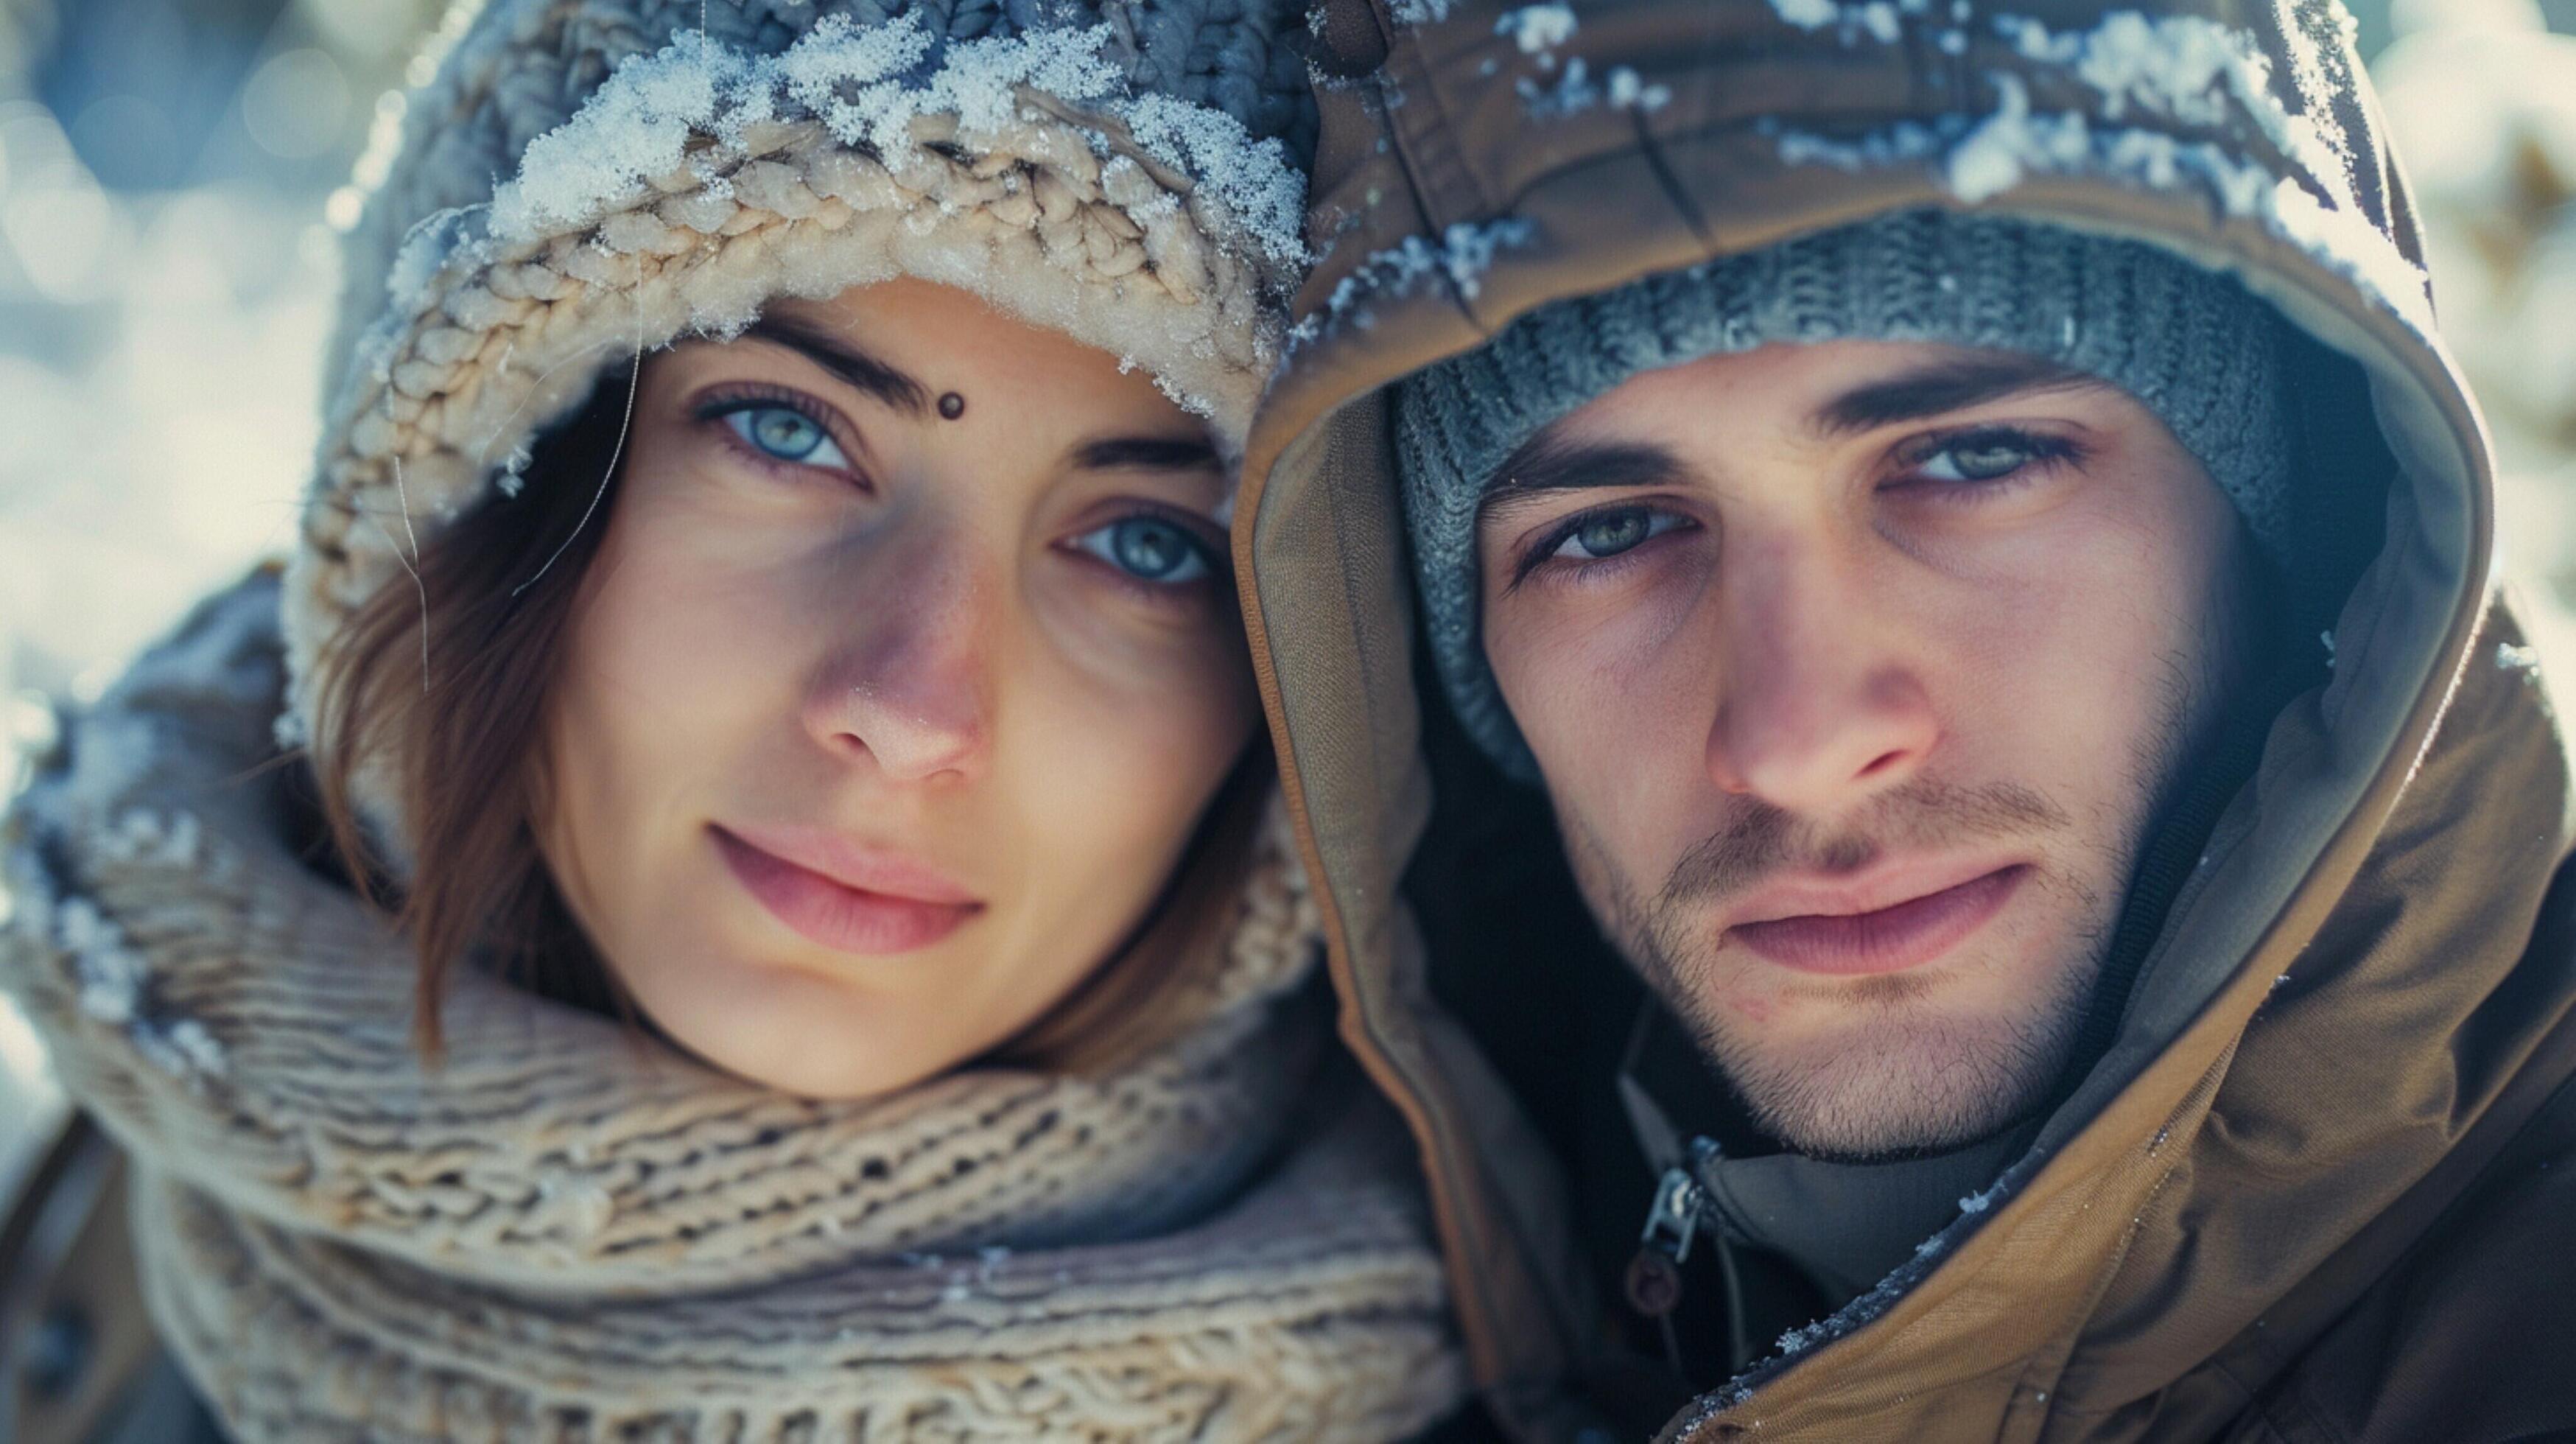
585, 180
571, 1232
2194, 347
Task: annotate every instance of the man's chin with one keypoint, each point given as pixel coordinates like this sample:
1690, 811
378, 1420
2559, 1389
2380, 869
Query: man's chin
1893, 1087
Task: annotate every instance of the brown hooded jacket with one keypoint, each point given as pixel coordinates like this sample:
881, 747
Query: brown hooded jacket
2321, 1183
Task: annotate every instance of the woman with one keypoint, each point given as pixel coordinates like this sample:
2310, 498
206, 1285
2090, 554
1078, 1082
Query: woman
761, 636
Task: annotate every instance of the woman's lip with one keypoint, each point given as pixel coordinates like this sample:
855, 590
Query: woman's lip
840, 917
1887, 940
852, 864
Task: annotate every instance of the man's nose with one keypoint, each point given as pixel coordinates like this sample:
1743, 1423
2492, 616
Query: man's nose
910, 683
1819, 706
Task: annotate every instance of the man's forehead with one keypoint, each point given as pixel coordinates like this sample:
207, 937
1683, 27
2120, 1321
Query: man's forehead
1834, 387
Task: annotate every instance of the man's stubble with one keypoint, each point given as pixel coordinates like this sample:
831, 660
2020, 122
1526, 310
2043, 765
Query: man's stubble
1903, 1076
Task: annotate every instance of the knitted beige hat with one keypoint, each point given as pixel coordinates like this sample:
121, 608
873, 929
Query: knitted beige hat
588, 179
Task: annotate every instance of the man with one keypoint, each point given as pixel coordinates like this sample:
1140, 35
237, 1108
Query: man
1958, 523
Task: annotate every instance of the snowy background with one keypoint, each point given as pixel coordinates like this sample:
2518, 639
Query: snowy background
172, 173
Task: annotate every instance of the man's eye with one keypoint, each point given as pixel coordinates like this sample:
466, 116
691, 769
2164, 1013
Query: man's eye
1608, 533
787, 434
1986, 456
1149, 549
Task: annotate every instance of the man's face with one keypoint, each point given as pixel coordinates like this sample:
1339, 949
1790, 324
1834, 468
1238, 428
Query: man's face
1857, 672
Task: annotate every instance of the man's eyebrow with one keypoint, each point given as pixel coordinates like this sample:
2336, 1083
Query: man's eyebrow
852, 365
1146, 453
1553, 462
1943, 386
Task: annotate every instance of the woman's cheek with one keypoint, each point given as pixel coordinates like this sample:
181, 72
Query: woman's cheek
1130, 763
672, 673
675, 636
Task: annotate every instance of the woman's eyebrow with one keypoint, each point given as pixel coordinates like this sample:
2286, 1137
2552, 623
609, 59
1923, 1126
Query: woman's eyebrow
1939, 388
1145, 453
852, 365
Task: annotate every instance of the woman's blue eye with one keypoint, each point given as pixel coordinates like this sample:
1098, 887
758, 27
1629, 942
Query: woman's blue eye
1149, 549
787, 434
1608, 533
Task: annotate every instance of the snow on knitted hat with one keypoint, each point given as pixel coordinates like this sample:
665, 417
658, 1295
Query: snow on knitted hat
587, 179
2194, 347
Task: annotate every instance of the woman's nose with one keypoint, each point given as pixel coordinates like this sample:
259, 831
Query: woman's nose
910, 682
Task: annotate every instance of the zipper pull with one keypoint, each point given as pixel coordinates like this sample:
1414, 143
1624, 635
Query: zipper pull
1654, 1282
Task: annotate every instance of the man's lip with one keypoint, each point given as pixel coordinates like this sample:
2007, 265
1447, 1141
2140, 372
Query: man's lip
826, 911
1882, 937
1888, 885
854, 864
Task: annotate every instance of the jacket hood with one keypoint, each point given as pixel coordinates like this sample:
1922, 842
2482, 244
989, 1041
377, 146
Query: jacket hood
2222, 1182
585, 180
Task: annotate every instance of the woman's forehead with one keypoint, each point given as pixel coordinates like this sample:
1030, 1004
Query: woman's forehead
951, 340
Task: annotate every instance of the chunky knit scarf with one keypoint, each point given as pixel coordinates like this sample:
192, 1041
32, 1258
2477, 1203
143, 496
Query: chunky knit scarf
569, 1232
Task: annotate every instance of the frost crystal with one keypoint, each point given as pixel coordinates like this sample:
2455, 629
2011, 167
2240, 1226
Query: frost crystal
1628, 90
2510, 658
1463, 254
111, 975
1573, 91
114, 984
1879, 18
579, 1207
1799, 1341
1927, 1256
1243, 174
146, 837
1906, 140
1466, 251
864, 83
185, 1049
651, 122
2187, 70
514, 471
1993, 157
2184, 66
425, 248
635, 125
1537, 29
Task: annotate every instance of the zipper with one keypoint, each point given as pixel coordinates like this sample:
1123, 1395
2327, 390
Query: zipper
1654, 1281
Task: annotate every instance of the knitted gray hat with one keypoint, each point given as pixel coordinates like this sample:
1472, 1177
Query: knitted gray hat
2193, 346
585, 180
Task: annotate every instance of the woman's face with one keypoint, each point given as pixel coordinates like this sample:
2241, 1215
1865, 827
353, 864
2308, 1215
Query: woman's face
906, 668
